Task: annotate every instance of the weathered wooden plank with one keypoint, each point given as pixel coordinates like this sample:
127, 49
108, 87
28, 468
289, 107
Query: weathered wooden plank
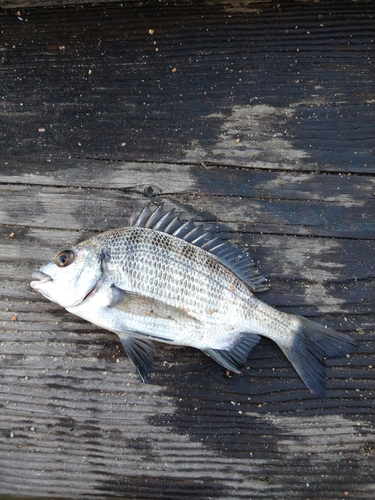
156, 178
70, 208
280, 86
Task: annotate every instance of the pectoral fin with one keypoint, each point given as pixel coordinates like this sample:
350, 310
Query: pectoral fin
140, 352
141, 305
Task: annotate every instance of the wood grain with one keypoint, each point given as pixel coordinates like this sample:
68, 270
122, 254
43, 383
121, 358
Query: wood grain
265, 132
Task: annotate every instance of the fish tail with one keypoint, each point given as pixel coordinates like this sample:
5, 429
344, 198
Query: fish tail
311, 344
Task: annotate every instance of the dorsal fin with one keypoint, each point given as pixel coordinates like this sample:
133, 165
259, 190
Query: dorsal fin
232, 257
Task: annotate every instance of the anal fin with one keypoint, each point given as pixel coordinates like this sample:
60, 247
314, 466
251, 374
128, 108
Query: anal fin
140, 352
234, 359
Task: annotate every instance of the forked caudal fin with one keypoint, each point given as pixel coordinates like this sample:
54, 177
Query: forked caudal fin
312, 344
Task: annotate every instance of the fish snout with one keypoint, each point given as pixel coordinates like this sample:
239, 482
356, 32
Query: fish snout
41, 278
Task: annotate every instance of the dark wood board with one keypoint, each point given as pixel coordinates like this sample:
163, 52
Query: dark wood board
294, 82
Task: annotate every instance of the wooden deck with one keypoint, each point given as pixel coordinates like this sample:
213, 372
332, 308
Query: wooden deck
259, 117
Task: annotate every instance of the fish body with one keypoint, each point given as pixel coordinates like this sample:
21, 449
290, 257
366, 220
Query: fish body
165, 280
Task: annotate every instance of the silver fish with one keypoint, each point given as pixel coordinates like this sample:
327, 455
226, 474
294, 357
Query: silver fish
171, 281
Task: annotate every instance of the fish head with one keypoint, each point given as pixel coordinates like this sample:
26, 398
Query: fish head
71, 276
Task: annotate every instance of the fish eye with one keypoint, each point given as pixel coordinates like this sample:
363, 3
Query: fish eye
64, 258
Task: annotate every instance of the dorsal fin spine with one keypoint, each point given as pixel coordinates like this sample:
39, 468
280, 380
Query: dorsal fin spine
155, 217
194, 233
173, 225
197, 241
165, 220
143, 217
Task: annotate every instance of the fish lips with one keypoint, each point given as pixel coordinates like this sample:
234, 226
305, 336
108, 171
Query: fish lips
42, 279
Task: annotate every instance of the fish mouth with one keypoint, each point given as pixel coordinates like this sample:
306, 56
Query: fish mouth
41, 278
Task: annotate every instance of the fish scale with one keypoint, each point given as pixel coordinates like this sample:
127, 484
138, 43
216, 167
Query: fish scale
170, 269
171, 281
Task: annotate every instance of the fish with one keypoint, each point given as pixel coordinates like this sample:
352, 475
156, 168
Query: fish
164, 279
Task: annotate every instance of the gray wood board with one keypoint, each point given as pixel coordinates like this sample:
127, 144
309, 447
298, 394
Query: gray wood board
265, 131
78, 208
